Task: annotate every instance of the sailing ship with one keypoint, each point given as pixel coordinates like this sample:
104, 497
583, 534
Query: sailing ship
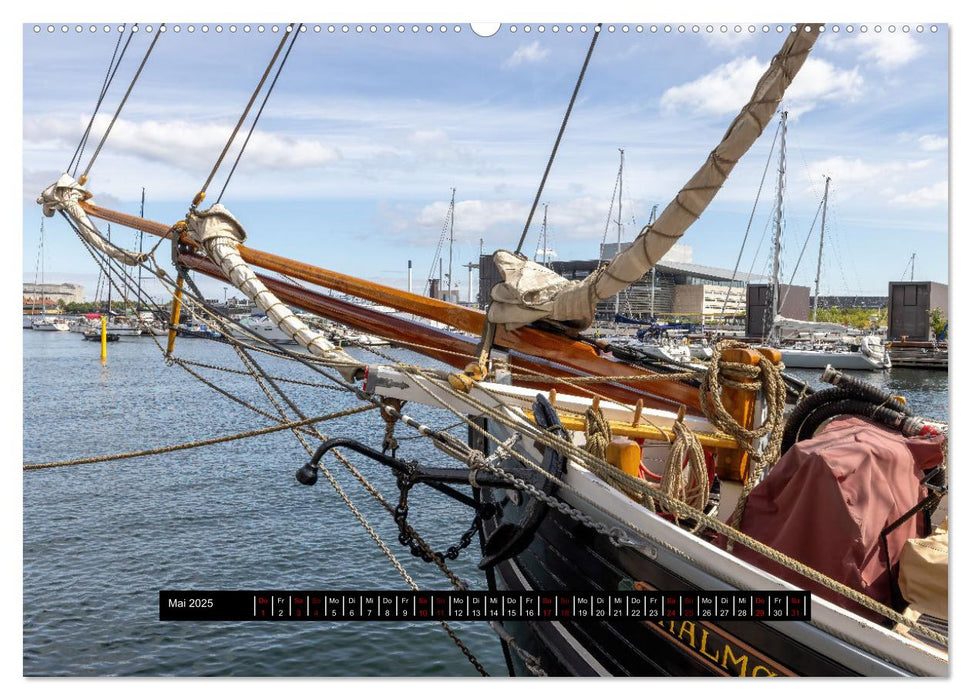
593, 474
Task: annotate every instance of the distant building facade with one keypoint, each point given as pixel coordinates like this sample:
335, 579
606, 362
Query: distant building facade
911, 304
49, 295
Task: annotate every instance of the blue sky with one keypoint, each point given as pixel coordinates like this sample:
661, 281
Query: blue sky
355, 156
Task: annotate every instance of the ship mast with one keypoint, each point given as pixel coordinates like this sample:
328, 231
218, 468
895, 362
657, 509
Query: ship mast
819, 263
777, 245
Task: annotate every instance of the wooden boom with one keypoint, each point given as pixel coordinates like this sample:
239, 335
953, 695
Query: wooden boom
548, 353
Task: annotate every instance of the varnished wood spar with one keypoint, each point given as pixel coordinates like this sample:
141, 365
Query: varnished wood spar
572, 354
439, 344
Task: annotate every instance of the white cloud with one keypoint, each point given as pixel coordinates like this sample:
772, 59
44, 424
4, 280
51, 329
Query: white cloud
474, 217
728, 87
530, 53
884, 50
930, 142
847, 171
925, 197
185, 144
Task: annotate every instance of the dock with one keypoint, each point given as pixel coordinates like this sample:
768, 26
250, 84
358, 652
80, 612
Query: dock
918, 354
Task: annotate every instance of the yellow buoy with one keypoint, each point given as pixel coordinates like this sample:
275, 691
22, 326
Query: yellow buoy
104, 339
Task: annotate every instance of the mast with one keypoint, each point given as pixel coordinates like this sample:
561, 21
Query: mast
40, 265
777, 245
545, 238
141, 235
819, 263
650, 220
620, 203
451, 241
109, 276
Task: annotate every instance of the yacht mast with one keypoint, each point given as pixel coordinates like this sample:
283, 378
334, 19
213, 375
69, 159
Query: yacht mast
451, 241
141, 235
545, 239
819, 263
777, 245
620, 203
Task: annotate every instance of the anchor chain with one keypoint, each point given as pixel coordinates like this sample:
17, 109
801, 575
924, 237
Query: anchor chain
406, 536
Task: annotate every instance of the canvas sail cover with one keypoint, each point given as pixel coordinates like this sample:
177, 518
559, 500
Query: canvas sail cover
65, 195
219, 234
529, 292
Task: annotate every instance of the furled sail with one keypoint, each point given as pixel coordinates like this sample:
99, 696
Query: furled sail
66, 195
219, 234
531, 292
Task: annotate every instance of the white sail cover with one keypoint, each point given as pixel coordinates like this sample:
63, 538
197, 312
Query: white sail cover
65, 195
790, 324
219, 234
529, 293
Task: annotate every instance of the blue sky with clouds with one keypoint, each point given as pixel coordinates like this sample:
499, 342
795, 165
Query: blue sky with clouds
353, 161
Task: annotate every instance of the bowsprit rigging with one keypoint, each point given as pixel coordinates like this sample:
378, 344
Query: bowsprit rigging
584, 472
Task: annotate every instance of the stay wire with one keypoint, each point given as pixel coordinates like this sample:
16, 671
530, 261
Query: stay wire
242, 118
751, 217
559, 137
109, 77
124, 99
259, 112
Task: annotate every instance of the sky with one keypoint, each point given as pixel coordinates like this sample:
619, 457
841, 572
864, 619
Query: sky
352, 164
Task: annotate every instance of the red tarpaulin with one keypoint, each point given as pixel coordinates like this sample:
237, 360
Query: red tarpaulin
827, 500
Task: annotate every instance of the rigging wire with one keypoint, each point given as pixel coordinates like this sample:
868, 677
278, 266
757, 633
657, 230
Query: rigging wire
751, 217
111, 124
801, 253
109, 77
259, 112
202, 191
559, 137
610, 212
441, 241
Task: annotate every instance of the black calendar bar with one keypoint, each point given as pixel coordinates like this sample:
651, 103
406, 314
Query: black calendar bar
342, 606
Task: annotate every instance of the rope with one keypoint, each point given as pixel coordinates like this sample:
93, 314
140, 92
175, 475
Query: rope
691, 488
202, 192
559, 137
774, 390
259, 112
111, 124
596, 430
201, 443
389, 443
109, 77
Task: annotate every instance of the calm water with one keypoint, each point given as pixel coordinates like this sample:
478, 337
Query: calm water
101, 540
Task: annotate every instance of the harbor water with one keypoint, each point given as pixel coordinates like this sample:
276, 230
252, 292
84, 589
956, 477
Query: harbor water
101, 540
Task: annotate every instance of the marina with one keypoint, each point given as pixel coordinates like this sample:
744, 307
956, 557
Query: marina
98, 561
559, 488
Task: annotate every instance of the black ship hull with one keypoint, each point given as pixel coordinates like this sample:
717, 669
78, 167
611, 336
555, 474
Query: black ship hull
566, 555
